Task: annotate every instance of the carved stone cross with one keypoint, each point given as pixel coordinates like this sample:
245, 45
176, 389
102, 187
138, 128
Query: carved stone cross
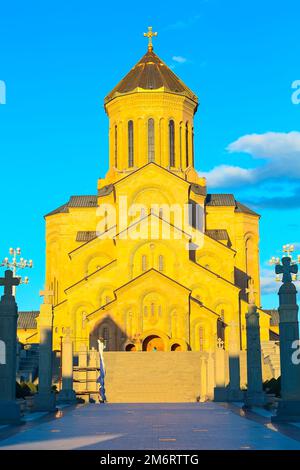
251, 292
220, 343
287, 269
8, 282
47, 294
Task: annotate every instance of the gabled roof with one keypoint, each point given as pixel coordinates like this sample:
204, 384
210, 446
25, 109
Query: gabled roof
245, 209
220, 200
152, 215
274, 321
228, 200
218, 234
27, 320
149, 165
85, 235
153, 271
151, 73
76, 201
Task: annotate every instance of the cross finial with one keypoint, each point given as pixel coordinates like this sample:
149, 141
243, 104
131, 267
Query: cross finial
47, 294
286, 268
8, 282
150, 35
251, 292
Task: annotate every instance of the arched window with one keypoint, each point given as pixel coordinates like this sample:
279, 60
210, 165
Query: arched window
116, 146
144, 263
161, 213
151, 141
172, 143
201, 338
187, 144
105, 333
130, 144
180, 145
193, 148
160, 263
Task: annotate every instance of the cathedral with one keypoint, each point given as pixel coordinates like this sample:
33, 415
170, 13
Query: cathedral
152, 261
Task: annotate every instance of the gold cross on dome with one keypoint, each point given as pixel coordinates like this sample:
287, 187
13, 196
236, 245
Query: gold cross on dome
150, 35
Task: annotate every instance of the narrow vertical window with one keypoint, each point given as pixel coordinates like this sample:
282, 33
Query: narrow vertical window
130, 144
187, 144
116, 146
193, 149
144, 263
151, 141
201, 338
172, 143
180, 146
152, 309
160, 263
105, 336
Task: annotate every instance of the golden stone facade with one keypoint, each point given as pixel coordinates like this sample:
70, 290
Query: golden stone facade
152, 261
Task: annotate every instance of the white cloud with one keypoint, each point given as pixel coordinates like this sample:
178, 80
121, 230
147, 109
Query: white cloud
267, 281
280, 152
271, 145
225, 175
179, 59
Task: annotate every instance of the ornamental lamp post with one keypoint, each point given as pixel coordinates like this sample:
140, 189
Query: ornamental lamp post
16, 263
289, 406
275, 261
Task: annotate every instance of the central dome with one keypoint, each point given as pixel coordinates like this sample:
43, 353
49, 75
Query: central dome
151, 73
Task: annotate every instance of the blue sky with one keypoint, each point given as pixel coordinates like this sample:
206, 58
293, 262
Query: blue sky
58, 61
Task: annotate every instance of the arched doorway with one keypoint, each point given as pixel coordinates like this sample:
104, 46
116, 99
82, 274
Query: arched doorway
153, 343
176, 347
130, 347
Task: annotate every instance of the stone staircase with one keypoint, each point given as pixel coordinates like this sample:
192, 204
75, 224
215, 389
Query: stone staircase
152, 377
271, 355
28, 363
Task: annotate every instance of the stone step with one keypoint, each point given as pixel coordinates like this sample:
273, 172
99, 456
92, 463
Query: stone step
154, 377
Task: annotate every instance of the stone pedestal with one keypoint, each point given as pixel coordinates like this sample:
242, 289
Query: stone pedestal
255, 395
45, 399
232, 390
9, 409
67, 394
221, 358
289, 406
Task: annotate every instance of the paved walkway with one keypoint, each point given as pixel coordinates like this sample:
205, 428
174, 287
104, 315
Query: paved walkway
148, 426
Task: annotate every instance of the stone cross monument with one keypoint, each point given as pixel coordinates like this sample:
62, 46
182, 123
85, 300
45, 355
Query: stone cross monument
45, 398
9, 410
254, 395
289, 406
67, 394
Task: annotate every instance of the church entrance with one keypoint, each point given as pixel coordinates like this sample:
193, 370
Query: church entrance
176, 347
153, 343
130, 347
